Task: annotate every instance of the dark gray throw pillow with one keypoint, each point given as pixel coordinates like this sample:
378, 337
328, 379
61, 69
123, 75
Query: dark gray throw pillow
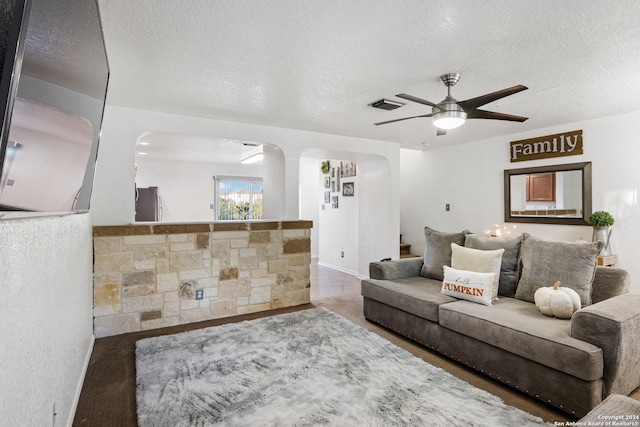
437, 251
509, 267
543, 262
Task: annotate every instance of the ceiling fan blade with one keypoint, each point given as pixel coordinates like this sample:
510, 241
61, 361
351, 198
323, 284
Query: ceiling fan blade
441, 132
474, 103
416, 99
483, 114
405, 118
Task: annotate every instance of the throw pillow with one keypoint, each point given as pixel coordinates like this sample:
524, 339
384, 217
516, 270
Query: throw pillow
437, 251
509, 268
468, 285
478, 261
546, 261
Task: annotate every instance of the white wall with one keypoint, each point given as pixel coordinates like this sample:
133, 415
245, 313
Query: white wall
374, 191
185, 189
470, 178
46, 317
273, 183
112, 200
339, 240
310, 199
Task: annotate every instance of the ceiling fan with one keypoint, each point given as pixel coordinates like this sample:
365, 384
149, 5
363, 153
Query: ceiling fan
450, 113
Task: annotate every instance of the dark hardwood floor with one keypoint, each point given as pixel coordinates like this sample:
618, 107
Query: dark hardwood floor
108, 395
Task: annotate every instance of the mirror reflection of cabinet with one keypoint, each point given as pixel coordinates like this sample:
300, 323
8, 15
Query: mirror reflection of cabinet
541, 187
562, 194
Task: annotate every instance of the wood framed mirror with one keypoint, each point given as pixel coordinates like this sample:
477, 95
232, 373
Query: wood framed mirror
557, 194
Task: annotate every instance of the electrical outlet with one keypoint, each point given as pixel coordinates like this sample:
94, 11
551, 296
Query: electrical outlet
447, 207
211, 206
199, 294
341, 254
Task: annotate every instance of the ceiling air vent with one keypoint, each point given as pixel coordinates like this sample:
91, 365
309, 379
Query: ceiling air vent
385, 104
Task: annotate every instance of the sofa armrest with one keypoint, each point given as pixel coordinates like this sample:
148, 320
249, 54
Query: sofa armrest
396, 269
614, 326
609, 282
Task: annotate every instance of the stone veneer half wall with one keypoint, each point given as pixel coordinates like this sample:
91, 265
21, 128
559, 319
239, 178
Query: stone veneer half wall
146, 276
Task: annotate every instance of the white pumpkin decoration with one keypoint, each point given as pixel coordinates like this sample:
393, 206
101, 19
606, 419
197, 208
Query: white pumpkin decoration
557, 301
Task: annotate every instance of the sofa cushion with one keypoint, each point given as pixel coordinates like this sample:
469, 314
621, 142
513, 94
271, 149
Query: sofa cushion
437, 251
544, 262
509, 266
479, 261
415, 295
518, 327
468, 285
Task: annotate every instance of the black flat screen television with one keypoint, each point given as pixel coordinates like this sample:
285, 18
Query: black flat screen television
52, 93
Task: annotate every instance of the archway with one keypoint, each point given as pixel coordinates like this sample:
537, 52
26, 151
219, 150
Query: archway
350, 230
182, 167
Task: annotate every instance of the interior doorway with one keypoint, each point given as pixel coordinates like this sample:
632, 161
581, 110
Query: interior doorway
351, 221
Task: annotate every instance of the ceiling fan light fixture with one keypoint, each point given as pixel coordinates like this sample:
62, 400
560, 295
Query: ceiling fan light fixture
449, 119
451, 113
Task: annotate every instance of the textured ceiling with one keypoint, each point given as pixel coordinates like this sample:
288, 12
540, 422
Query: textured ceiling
48, 51
316, 65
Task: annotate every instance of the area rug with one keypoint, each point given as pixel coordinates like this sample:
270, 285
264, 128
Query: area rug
311, 367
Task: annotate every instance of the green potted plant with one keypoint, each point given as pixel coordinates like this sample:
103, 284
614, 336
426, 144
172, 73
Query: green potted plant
601, 221
325, 167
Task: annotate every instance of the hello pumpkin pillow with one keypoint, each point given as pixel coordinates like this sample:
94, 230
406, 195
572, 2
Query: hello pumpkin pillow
468, 285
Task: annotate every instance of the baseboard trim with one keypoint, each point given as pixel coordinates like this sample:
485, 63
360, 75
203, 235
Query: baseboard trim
85, 367
343, 270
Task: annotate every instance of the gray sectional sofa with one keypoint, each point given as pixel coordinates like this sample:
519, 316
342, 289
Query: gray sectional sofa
572, 364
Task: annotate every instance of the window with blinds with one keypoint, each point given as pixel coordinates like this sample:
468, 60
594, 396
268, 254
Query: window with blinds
238, 198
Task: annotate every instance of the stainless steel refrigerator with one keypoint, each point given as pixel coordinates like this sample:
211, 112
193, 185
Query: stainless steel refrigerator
147, 204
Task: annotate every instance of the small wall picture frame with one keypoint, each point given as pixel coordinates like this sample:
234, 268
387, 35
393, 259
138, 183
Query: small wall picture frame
334, 202
327, 197
348, 169
327, 182
348, 189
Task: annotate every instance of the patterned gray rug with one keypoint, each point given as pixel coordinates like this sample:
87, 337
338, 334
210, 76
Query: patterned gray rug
311, 367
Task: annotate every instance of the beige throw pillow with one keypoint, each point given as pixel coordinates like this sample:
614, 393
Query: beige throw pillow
478, 261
